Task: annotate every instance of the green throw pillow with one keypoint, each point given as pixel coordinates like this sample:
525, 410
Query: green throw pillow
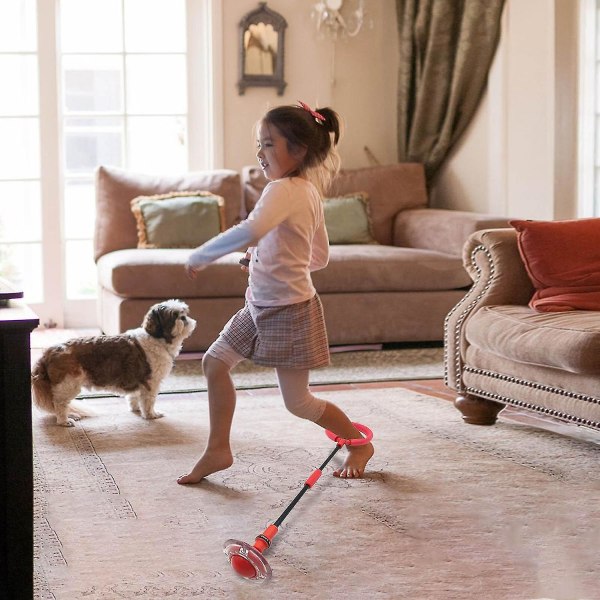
178, 219
347, 219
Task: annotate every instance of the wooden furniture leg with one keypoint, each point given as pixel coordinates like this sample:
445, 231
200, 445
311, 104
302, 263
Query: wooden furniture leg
478, 411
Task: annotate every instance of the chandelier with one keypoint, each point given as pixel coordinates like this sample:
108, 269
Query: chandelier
329, 18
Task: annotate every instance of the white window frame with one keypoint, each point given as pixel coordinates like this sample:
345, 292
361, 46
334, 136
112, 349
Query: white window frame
205, 134
588, 204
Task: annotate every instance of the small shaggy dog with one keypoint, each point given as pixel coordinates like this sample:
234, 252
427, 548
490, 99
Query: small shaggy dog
132, 363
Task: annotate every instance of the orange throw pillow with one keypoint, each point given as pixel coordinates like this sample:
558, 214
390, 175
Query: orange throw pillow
562, 259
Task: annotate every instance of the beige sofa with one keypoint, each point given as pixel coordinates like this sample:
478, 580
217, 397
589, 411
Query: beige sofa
501, 352
398, 290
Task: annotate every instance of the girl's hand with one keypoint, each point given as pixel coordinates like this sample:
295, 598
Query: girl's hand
191, 272
245, 262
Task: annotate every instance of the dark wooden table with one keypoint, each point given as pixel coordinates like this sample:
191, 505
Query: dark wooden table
17, 321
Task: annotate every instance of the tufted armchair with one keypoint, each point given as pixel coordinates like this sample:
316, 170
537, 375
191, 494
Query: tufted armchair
499, 351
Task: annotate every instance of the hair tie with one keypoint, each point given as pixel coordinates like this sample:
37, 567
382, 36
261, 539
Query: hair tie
319, 118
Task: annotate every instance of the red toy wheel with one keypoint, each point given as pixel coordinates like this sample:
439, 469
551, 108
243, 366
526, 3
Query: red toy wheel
246, 560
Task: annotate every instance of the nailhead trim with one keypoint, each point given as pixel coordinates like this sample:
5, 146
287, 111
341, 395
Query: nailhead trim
533, 384
533, 407
458, 364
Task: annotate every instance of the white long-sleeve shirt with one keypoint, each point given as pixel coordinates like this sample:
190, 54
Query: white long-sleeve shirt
287, 238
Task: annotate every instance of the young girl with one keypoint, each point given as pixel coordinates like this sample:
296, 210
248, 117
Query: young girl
281, 324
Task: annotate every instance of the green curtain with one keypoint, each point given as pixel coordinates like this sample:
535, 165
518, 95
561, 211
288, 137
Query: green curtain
446, 49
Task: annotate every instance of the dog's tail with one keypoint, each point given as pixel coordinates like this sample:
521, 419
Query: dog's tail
42, 380
41, 387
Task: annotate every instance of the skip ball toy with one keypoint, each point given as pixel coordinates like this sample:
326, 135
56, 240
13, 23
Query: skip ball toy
249, 561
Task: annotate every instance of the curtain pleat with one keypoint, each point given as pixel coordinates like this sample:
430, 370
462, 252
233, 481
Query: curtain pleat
446, 49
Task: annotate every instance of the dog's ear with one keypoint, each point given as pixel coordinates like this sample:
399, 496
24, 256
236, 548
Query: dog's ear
158, 323
151, 322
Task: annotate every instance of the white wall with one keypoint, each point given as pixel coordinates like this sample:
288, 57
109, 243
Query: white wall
519, 156
362, 88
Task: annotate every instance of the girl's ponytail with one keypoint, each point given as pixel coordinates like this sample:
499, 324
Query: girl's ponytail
331, 123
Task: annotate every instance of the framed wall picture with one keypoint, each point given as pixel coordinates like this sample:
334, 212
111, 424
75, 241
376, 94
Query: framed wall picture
262, 36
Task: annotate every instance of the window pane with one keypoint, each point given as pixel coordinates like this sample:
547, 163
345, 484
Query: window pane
80, 209
18, 31
21, 265
19, 148
90, 142
155, 26
93, 83
144, 96
157, 144
91, 26
20, 211
81, 270
597, 144
19, 74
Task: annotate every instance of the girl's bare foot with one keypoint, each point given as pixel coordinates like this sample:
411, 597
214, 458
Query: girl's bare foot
210, 462
354, 465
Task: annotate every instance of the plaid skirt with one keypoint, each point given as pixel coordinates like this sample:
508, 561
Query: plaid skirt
292, 336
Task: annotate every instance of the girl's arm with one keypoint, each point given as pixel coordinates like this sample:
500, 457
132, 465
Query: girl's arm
269, 211
237, 238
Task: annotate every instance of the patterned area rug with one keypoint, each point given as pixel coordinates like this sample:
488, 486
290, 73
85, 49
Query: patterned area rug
346, 367
447, 511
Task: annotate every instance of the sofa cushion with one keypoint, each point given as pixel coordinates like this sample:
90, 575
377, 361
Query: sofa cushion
390, 188
568, 341
347, 219
178, 220
253, 184
562, 259
378, 268
147, 273
157, 273
115, 188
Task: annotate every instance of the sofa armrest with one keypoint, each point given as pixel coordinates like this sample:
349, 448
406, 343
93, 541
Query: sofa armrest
492, 259
440, 229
